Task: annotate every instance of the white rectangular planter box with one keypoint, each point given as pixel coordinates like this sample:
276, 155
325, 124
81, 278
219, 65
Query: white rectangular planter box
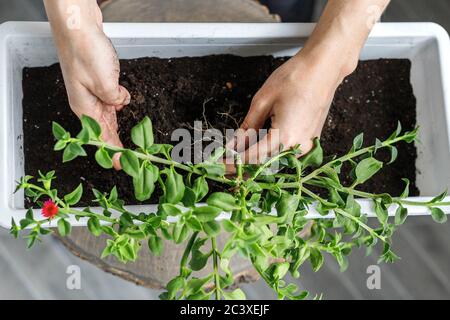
426, 45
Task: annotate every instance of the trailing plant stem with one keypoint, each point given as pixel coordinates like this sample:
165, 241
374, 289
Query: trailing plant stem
350, 156
217, 288
155, 159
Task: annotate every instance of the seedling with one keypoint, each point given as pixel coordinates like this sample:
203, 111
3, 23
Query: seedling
268, 210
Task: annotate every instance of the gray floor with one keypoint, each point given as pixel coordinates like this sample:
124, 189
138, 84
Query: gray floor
423, 272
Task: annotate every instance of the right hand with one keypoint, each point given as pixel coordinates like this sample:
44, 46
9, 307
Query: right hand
91, 74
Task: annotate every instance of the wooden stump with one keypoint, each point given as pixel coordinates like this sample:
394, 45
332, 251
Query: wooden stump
186, 11
150, 271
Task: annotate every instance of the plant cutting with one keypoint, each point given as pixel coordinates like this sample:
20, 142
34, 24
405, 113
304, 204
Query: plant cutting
266, 211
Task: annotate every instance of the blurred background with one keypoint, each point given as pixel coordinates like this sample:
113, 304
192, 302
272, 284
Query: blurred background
423, 245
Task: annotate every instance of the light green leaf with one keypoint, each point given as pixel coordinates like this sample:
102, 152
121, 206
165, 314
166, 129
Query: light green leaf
169, 209
74, 197
155, 245
366, 169
91, 126
72, 151
130, 163
400, 215
58, 131
315, 157
94, 226
222, 200
103, 158
142, 134
237, 294
64, 227
438, 215
211, 228
144, 185
174, 186
207, 213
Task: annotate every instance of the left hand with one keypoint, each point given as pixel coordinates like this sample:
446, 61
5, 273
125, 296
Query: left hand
296, 97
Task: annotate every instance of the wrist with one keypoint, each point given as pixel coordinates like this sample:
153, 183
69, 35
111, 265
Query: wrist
334, 55
332, 67
73, 19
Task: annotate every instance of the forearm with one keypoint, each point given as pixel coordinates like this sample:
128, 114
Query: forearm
342, 31
72, 18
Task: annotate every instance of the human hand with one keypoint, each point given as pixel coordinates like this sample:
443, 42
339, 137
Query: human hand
91, 74
296, 97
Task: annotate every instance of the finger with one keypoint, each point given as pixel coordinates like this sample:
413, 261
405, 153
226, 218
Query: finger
115, 95
264, 149
257, 114
109, 126
127, 102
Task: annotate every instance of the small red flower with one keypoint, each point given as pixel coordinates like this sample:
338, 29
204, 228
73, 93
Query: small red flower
50, 209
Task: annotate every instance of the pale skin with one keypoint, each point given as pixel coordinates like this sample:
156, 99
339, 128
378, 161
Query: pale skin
296, 97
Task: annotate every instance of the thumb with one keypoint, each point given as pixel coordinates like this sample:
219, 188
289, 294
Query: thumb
115, 96
256, 116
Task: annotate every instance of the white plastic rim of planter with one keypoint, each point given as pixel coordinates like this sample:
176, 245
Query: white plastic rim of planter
425, 44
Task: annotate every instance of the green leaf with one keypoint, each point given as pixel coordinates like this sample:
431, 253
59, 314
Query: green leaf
180, 232
155, 245
280, 270
366, 169
126, 219
315, 157
103, 158
60, 145
400, 215
174, 286
194, 224
14, 230
394, 154
64, 227
222, 200
74, 197
144, 185
378, 145
229, 226
358, 142
142, 134
189, 198
287, 205
107, 251
94, 226
25, 223
316, 259
169, 209
130, 163
439, 198
381, 212
212, 169
207, 213
211, 228
29, 215
397, 131
438, 215
194, 285
200, 188
405, 193
198, 260
91, 127
128, 252
72, 151
236, 294
58, 131
174, 186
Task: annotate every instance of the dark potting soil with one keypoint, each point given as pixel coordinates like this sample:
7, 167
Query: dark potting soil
176, 92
